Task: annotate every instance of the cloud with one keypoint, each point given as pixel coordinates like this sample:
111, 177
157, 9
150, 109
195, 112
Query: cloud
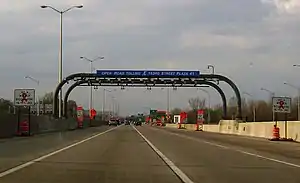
199, 38
156, 34
285, 6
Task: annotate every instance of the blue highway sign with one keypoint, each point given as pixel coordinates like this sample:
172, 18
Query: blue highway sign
147, 73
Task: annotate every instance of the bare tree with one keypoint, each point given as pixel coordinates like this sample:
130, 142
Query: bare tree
197, 103
48, 98
176, 111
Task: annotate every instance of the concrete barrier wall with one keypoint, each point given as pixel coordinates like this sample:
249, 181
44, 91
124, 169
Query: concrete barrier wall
8, 125
40, 124
171, 125
254, 129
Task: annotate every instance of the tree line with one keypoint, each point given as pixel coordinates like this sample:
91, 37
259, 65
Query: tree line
252, 110
261, 108
7, 106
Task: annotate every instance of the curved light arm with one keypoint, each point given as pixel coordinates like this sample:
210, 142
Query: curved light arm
246, 93
64, 11
33, 79
213, 68
293, 86
72, 7
92, 60
269, 91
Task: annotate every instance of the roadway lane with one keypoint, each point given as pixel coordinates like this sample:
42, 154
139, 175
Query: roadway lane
215, 158
18, 150
287, 151
120, 155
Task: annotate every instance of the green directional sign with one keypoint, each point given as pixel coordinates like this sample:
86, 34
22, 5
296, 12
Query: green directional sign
153, 114
153, 111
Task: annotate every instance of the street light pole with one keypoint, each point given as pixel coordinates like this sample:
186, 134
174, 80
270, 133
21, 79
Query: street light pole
37, 96
212, 67
60, 61
208, 94
113, 105
253, 107
272, 95
91, 70
168, 101
298, 98
104, 101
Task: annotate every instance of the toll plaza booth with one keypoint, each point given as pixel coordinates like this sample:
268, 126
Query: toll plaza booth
176, 119
80, 117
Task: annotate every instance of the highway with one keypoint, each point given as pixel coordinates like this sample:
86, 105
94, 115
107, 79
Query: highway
147, 154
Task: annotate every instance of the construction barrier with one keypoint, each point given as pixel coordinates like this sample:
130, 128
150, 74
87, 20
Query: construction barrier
276, 134
24, 128
199, 127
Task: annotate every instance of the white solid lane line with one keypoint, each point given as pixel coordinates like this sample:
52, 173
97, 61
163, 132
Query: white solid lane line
24, 165
234, 149
184, 178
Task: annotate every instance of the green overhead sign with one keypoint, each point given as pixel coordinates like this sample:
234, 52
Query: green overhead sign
153, 112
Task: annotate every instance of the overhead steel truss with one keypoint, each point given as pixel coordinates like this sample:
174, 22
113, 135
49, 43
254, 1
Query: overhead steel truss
91, 79
96, 83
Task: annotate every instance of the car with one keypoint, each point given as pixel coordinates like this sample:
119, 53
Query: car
138, 123
127, 123
113, 122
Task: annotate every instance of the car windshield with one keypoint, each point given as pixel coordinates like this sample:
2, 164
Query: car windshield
150, 91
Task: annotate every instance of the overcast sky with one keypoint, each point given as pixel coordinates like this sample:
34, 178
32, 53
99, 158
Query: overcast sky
253, 42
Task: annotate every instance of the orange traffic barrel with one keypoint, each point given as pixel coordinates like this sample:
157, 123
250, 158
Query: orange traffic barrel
179, 125
23, 127
276, 134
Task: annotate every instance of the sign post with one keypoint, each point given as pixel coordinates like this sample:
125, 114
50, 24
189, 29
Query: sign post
24, 98
282, 105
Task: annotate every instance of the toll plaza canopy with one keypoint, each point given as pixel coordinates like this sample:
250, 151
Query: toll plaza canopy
145, 78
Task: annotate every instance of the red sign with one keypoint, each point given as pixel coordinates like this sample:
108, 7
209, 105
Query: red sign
80, 116
92, 113
200, 117
183, 117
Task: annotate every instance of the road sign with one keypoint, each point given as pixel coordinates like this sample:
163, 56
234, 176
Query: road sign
153, 112
200, 114
281, 104
147, 73
24, 97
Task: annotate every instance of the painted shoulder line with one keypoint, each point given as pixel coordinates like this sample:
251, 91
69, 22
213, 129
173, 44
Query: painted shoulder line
184, 178
229, 148
24, 165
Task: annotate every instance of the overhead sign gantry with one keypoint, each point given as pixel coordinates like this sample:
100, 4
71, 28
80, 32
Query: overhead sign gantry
146, 78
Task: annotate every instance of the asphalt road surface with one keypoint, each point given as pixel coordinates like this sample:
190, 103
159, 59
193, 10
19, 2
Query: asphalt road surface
147, 154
